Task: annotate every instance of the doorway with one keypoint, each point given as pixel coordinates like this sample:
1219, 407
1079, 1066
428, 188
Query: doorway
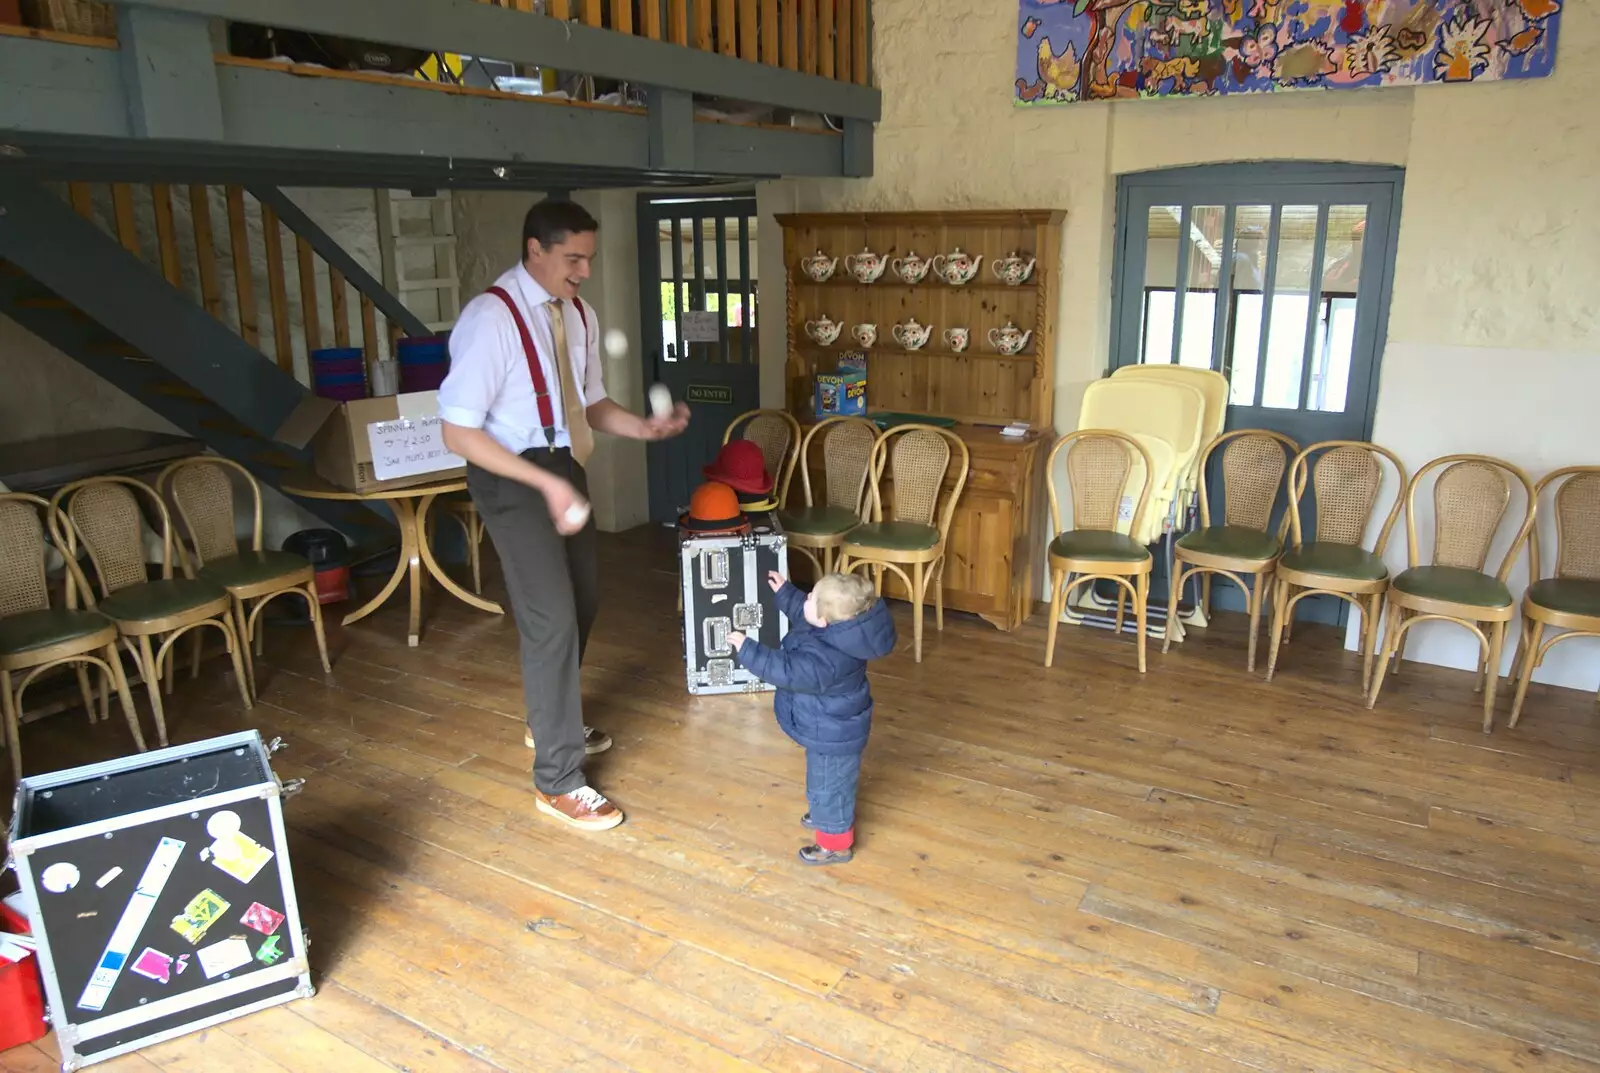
698, 301
1278, 276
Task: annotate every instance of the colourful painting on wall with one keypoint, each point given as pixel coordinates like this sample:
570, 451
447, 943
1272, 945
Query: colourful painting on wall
1081, 50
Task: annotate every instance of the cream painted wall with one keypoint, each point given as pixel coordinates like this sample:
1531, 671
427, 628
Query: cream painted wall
1494, 312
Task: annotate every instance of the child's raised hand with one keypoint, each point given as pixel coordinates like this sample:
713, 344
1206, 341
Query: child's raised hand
736, 639
775, 580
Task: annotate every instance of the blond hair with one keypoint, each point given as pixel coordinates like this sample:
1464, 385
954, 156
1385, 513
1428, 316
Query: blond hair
843, 596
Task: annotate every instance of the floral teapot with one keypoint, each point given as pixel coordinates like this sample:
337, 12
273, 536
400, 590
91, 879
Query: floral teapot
1010, 339
866, 266
911, 335
824, 331
819, 267
957, 267
1014, 270
911, 268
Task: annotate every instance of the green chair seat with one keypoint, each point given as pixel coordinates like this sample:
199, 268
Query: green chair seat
32, 630
160, 599
1348, 561
1102, 544
894, 536
818, 521
1232, 541
1453, 584
1568, 595
252, 568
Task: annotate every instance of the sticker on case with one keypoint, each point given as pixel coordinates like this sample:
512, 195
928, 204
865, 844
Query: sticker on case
108, 877
204, 910
59, 877
233, 851
269, 951
153, 964
134, 917
225, 956
261, 918
183, 963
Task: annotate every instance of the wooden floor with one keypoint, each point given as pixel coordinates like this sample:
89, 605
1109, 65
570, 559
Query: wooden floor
1062, 870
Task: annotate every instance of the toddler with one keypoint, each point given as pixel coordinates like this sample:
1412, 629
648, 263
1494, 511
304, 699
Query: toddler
822, 701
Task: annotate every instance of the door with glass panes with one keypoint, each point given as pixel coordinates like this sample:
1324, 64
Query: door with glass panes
1276, 276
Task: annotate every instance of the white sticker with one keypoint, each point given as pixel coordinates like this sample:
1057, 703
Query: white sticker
407, 448
223, 824
1125, 509
224, 956
60, 877
699, 326
108, 877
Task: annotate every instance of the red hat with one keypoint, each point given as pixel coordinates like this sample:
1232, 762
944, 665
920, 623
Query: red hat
714, 508
739, 465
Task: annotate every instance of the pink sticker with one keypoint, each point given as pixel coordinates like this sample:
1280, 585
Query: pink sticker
261, 918
153, 964
183, 963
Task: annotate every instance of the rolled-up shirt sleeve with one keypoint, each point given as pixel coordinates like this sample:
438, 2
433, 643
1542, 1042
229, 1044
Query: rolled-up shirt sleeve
478, 349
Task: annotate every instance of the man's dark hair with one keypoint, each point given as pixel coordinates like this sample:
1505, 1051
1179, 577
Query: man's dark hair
552, 220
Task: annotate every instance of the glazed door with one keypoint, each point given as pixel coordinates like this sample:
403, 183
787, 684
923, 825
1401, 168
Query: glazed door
697, 298
1276, 276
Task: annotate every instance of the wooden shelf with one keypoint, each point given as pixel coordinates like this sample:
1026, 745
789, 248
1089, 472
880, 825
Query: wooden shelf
836, 349
926, 285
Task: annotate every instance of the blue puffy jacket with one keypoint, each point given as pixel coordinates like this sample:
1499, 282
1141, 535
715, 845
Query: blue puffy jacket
821, 675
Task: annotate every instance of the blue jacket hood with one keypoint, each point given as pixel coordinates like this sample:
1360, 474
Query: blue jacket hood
870, 635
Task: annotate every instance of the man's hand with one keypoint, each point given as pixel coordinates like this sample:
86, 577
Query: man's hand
560, 497
736, 639
775, 580
664, 428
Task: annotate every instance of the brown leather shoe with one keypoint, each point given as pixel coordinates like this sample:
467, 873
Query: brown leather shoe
594, 741
584, 808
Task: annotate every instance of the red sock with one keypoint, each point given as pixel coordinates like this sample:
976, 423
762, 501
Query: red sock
837, 843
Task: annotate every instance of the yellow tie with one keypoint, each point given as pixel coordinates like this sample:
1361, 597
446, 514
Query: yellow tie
571, 403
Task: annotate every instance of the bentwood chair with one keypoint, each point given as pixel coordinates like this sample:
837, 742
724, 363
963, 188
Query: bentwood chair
1470, 496
1345, 477
1099, 465
35, 637
777, 433
1569, 599
817, 530
1244, 545
104, 512
918, 460
202, 490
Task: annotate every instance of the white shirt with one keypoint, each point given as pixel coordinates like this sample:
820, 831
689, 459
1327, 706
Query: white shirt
488, 385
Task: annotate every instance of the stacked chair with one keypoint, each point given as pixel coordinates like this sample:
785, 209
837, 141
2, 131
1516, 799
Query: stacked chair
817, 528
777, 433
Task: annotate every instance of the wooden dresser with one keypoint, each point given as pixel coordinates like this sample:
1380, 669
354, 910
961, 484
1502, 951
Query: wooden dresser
997, 537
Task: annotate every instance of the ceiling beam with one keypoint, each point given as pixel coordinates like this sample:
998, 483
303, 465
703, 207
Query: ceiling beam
476, 29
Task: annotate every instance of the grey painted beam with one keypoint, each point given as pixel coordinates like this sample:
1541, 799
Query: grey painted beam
856, 158
168, 75
43, 236
477, 29
671, 129
336, 255
67, 102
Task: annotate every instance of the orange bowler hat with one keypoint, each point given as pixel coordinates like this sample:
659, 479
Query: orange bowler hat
714, 508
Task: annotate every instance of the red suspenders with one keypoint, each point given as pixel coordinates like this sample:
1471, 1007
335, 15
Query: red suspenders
535, 370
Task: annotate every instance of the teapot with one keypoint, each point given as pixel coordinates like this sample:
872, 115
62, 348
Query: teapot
823, 331
865, 335
957, 267
957, 339
866, 266
1012, 271
819, 266
911, 268
911, 335
1010, 339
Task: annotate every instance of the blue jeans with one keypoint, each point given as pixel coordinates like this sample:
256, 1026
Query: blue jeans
831, 790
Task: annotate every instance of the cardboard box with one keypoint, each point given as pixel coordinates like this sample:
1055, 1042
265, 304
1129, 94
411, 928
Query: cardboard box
337, 434
841, 394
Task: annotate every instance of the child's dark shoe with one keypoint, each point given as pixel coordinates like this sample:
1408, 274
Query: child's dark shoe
805, 821
816, 855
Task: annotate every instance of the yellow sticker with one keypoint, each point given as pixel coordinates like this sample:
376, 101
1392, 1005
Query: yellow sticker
239, 855
204, 910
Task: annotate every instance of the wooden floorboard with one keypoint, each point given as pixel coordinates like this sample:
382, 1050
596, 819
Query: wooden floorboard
1073, 869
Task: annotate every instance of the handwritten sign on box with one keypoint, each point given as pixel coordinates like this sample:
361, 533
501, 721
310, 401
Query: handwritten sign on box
409, 447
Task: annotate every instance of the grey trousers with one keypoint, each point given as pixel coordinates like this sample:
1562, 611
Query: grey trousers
553, 584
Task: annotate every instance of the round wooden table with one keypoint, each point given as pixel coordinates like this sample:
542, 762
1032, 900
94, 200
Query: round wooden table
410, 506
